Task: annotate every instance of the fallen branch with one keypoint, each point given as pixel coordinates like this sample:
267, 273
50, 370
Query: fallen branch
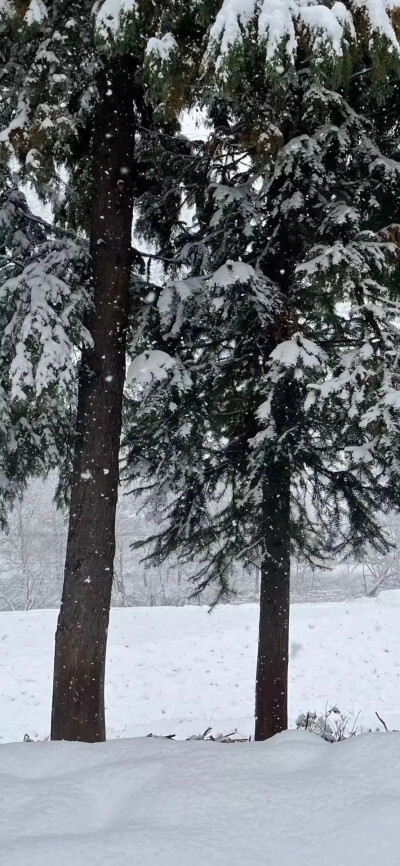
162, 736
382, 722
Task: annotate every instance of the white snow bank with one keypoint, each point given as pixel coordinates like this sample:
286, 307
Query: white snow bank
294, 801
179, 670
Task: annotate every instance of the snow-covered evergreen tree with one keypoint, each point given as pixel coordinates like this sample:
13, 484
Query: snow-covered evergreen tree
42, 303
76, 111
266, 396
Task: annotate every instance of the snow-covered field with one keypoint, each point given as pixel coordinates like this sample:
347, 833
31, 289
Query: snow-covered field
179, 670
293, 801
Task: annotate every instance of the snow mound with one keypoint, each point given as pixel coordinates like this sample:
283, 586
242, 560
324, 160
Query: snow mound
292, 801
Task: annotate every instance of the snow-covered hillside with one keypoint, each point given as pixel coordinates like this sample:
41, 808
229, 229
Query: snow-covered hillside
178, 670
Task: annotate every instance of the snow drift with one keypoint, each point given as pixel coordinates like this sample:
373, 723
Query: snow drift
290, 802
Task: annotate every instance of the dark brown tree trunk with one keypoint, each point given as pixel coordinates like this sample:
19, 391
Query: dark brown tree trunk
80, 650
273, 645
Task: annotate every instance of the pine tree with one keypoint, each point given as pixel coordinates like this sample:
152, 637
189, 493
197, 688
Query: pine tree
75, 79
42, 302
266, 393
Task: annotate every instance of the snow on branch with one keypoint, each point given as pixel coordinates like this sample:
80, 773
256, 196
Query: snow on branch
34, 14
46, 319
150, 366
278, 24
42, 302
233, 272
378, 12
161, 48
110, 14
5, 8
298, 350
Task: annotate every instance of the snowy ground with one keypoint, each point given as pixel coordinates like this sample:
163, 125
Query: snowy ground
294, 801
179, 670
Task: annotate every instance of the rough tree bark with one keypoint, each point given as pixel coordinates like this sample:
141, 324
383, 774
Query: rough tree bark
273, 644
80, 649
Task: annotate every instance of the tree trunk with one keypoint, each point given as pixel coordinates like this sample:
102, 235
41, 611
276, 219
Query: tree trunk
273, 644
80, 650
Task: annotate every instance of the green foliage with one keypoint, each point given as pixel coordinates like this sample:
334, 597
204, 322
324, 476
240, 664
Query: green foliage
53, 70
280, 319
